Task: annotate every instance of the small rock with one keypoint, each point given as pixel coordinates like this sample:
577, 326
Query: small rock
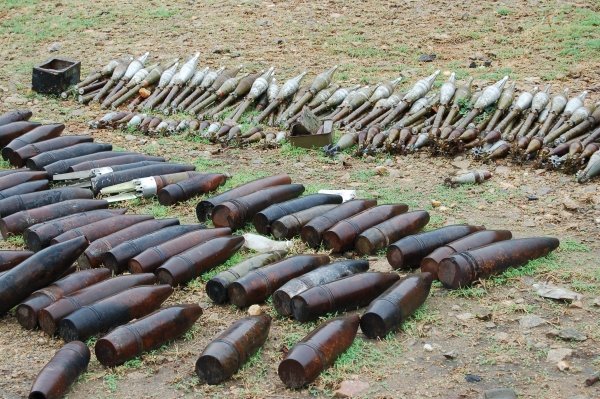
499, 393
563, 365
472, 378
381, 170
435, 203
443, 208
254, 310
489, 325
597, 302
450, 355
428, 348
528, 223
556, 292
461, 164
455, 307
394, 173
351, 388
559, 354
54, 47
570, 204
571, 334
576, 305
502, 337
531, 321
130, 137
464, 316
427, 57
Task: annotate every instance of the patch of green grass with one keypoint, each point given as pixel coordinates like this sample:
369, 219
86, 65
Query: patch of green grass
363, 175
469, 292
91, 342
536, 266
16, 240
4, 164
161, 12
132, 364
159, 211
111, 381
499, 74
287, 150
503, 11
570, 245
235, 259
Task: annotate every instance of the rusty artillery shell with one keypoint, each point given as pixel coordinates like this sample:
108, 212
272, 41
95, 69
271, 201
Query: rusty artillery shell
348, 293
341, 236
27, 310
24, 202
13, 171
432, 261
290, 225
39, 236
186, 189
312, 232
236, 212
15, 116
282, 298
19, 156
111, 179
216, 287
101, 228
46, 158
50, 316
10, 259
14, 179
63, 165
37, 271
92, 257
116, 259
18, 222
131, 340
67, 364
204, 208
133, 161
389, 310
317, 351
12, 130
408, 252
263, 219
151, 258
39, 133
113, 311
227, 353
190, 264
382, 234
24, 188
463, 268
259, 284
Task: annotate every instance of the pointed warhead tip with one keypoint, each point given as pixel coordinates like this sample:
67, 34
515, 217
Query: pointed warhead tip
583, 95
547, 88
452, 77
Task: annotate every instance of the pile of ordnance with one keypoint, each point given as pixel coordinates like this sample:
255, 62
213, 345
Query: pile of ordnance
495, 121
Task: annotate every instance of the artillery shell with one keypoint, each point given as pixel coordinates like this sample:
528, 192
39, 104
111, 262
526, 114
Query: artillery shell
113, 311
27, 310
216, 287
408, 252
37, 271
24, 202
431, 262
11, 131
186, 189
263, 219
389, 310
282, 298
133, 339
259, 284
341, 236
151, 258
46, 158
290, 225
24, 188
67, 364
226, 354
40, 133
317, 351
21, 155
63, 165
473, 177
111, 179
15, 116
14, 179
118, 163
382, 234
348, 293
204, 208
10, 259
101, 228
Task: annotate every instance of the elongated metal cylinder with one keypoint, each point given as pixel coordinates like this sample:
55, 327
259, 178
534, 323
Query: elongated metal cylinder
148, 333
312, 232
204, 208
116, 259
135, 160
21, 155
227, 353
46, 158
408, 252
15, 116
236, 212
39, 236
64, 165
110, 179
385, 233
92, 257
478, 239
24, 188
24, 202
40, 133
18, 222
14, 179
389, 310
37, 271
282, 298
67, 364
101, 228
345, 294
259, 284
9, 172
27, 310
463, 268
341, 236
186, 189
290, 225
216, 288
50, 316
263, 219
148, 260
113, 311
11, 131
199, 259
10, 259
317, 351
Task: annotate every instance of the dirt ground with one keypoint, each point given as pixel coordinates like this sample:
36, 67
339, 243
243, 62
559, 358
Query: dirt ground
479, 331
